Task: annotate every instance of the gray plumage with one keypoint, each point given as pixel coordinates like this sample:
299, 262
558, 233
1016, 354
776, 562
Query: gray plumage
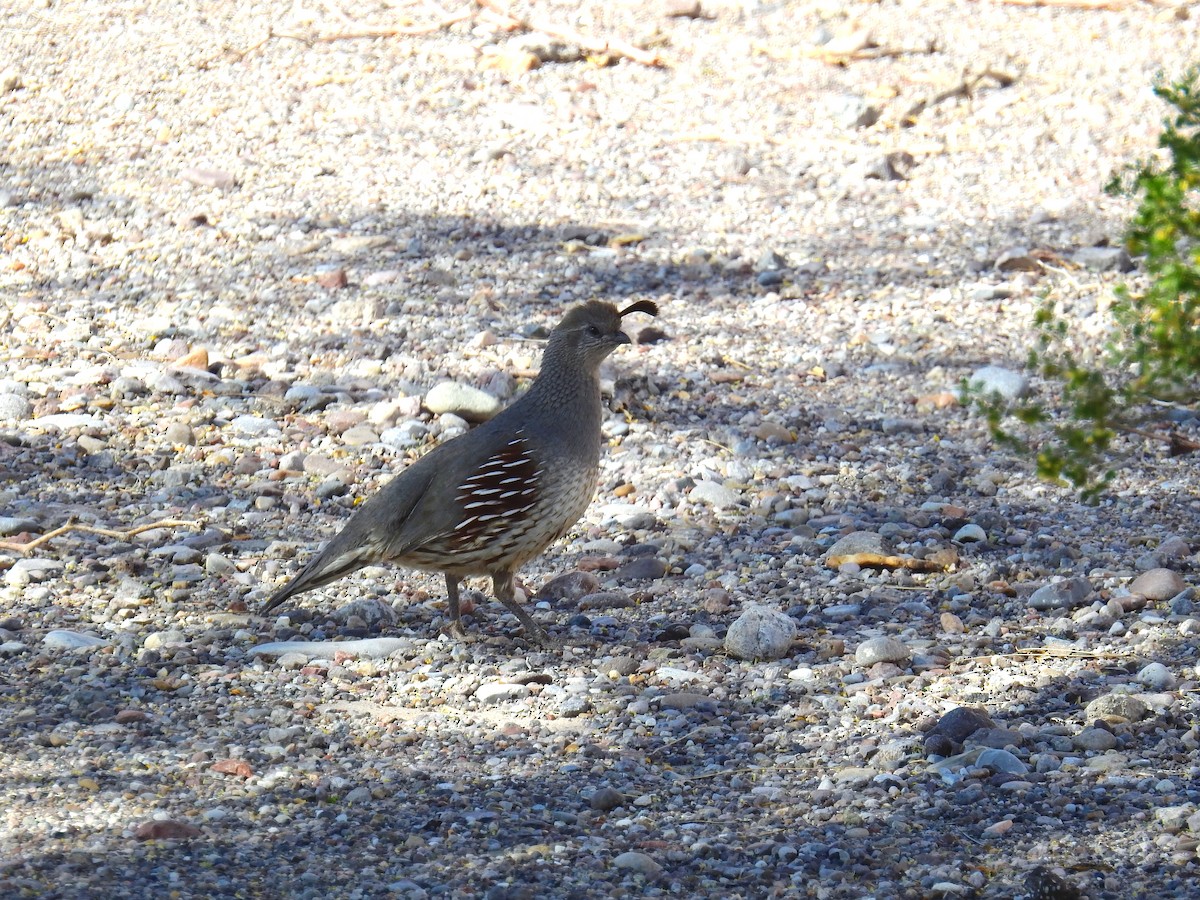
487, 502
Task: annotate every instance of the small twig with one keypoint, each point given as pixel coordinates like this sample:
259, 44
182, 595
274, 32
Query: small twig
671, 743
843, 51
592, 45
242, 54
836, 58
1051, 650
407, 30
1111, 5
965, 88
1179, 445
490, 9
27, 546
398, 31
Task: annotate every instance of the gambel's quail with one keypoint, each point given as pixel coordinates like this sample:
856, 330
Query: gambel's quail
487, 502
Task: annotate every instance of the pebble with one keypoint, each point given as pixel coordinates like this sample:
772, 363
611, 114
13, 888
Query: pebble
1156, 677
158, 639
253, 426
760, 632
32, 569
13, 408
714, 494
683, 700
960, 723
641, 569
10, 525
406, 434
67, 421
773, 432
859, 542
179, 433
1066, 593
370, 648
951, 624
166, 830
606, 799
1158, 584
208, 177
1101, 259
1095, 739
1116, 707
569, 586
997, 380
359, 436
639, 863
60, 639
371, 612
500, 692
217, 565
881, 649
969, 534
462, 400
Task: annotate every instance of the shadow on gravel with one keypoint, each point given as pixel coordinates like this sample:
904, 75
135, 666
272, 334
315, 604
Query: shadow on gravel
726, 807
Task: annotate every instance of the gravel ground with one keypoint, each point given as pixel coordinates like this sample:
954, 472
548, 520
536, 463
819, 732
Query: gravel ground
236, 258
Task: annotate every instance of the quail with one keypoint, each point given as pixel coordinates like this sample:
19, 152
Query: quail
490, 500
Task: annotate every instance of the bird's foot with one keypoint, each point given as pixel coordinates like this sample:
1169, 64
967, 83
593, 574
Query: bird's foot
456, 631
539, 636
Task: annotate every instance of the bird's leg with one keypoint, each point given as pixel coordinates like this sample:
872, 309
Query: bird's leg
455, 628
502, 587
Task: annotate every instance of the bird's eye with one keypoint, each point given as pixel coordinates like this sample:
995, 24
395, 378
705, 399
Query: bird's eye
593, 331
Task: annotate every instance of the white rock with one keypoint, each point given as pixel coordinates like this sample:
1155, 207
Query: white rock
970, 533
761, 632
254, 425
714, 494
500, 692
1008, 384
13, 407
24, 571
1001, 761
72, 640
66, 421
374, 648
216, 564
463, 400
156, 639
1157, 677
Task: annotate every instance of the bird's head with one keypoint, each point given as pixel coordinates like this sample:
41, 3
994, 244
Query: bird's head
591, 331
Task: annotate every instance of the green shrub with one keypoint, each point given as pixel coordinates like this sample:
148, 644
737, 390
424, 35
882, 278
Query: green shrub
1152, 358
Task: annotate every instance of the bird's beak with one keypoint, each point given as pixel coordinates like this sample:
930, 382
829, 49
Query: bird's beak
621, 338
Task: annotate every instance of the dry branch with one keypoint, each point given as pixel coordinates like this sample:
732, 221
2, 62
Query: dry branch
1178, 445
492, 10
593, 45
24, 547
1111, 5
964, 88
405, 30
